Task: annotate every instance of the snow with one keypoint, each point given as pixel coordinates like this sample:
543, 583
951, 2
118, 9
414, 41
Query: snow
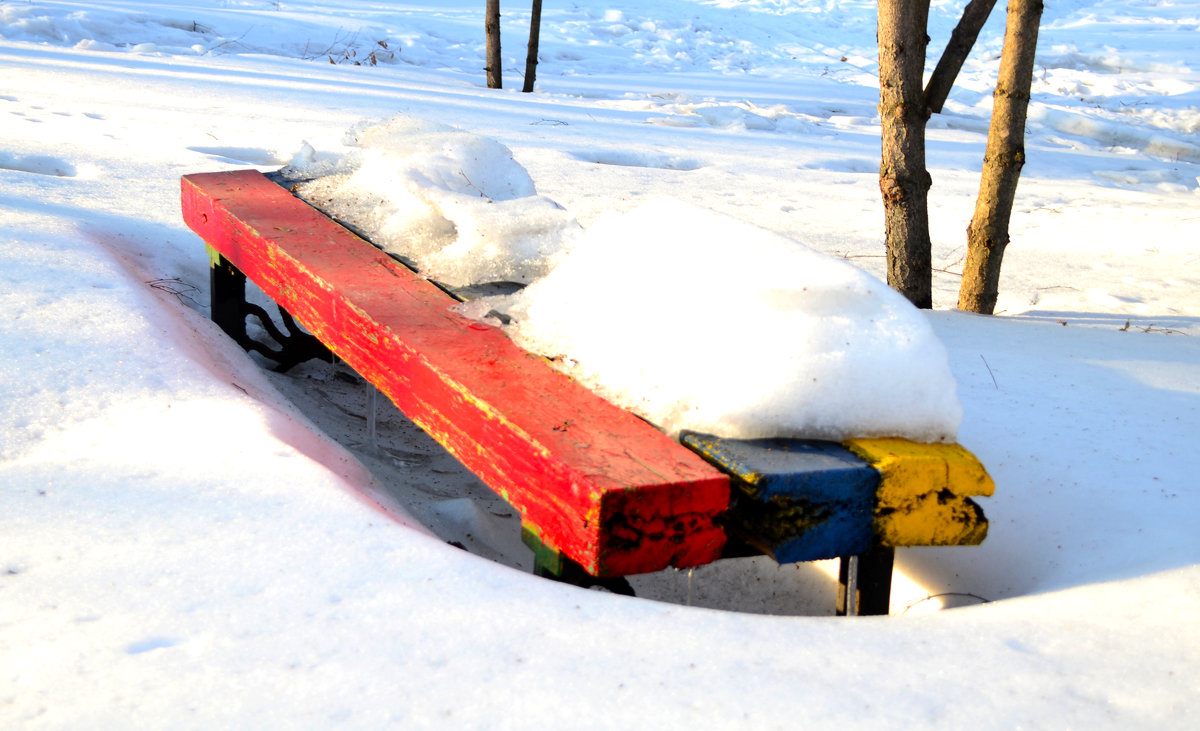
181, 545
857, 359
737, 332
454, 203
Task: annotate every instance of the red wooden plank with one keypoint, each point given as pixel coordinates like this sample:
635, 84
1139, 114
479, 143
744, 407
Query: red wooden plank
595, 482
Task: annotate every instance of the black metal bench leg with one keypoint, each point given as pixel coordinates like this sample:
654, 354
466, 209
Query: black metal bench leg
865, 582
227, 287
227, 291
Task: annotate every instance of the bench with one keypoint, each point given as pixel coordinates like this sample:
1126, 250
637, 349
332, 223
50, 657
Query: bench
602, 494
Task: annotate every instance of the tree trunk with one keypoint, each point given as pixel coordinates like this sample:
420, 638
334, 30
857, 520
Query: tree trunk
491, 25
961, 40
987, 235
535, 30
903, 179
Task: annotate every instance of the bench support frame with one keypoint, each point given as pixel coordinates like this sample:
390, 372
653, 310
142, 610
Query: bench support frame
231, 309
865, 582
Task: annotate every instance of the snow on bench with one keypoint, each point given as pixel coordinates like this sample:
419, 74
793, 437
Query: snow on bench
602, 494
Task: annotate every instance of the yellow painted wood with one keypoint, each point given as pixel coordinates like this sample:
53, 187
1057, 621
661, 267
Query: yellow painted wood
924, 492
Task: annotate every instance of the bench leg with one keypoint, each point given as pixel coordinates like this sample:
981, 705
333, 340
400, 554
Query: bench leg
227, 296
551, 564
227, 287
865, 582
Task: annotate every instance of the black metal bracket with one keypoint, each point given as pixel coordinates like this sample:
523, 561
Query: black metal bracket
865, 582
230, 311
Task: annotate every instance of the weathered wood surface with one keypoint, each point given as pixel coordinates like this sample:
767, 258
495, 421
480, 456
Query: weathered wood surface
804, 500
595, 482
925, 491
795, 499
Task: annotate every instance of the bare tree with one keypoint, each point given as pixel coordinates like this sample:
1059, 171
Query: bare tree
903, 180
531, 57
987, 235
491, 26
904, 110
962, 38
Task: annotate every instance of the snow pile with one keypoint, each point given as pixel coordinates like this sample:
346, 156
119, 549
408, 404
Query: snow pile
455, 203
698, 321
653, 313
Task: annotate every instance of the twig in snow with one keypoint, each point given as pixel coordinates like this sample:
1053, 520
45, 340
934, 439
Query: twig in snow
476, 187
989, 370
947, 271
1150, 329
237, 41
968, 595
176, 286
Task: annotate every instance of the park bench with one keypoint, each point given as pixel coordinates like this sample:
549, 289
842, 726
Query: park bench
601, 493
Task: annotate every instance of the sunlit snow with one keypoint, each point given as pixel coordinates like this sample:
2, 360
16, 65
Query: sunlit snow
188, 541
698, 321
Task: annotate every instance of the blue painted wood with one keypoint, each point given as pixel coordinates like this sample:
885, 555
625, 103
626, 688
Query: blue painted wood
795, 499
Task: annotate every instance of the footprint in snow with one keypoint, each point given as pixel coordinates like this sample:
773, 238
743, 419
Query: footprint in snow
734, 117
638, 160
37, 164
148, 644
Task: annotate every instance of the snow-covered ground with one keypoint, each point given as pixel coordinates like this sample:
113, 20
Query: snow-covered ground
181, 546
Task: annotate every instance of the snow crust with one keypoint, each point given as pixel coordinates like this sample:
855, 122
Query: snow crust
698, 321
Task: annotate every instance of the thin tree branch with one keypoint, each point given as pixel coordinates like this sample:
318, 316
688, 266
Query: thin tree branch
531, 57
961, 40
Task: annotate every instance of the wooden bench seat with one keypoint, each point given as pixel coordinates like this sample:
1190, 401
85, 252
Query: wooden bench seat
601, 493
